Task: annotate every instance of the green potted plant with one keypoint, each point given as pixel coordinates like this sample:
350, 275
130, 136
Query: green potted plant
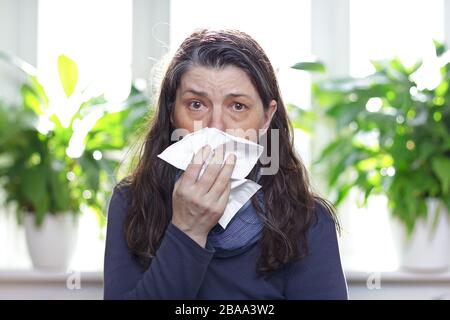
393, 138
52, 169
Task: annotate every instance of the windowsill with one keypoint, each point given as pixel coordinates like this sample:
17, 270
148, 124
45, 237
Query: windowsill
398, 285
352, 276
29, 284
397, 276
37, 284
41, 276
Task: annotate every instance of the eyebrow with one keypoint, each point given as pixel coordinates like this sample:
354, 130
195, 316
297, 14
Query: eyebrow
204, 94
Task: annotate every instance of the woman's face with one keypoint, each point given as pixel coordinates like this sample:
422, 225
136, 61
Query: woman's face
222, 98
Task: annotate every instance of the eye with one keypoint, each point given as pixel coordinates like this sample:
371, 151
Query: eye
239, 107
195, 105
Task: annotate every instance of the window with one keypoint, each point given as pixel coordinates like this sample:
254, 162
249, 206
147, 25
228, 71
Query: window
97, 36
383, 29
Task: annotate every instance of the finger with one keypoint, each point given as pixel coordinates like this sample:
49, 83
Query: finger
212, 170
176, 186
192, 172
223, 199
223, 178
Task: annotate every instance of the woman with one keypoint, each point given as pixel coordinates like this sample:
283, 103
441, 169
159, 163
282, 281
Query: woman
163, 238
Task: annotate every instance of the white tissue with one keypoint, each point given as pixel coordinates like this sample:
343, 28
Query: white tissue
247, 154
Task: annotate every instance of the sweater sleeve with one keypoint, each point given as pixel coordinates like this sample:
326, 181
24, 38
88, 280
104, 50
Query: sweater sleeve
319, 276
176, 271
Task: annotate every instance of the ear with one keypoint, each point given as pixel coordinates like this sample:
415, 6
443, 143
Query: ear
268, 114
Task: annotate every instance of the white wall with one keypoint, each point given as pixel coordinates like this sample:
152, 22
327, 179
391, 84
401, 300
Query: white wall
447, 22
18, 36
330, 44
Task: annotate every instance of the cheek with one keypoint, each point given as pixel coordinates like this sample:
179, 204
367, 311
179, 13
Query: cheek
254, 120
248, 129
179, 117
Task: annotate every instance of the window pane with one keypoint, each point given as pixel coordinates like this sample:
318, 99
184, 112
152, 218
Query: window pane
381, 29
378, 30
96, 34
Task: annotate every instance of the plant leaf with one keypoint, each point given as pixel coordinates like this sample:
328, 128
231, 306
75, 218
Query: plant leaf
30, 100
439, 47
59, 191
441, 167
310, 66
301, 118
68, 74
34, 190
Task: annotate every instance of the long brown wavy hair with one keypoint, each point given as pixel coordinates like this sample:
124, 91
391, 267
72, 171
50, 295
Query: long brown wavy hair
290, 204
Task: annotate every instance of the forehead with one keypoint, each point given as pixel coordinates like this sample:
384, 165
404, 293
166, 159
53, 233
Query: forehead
217, 80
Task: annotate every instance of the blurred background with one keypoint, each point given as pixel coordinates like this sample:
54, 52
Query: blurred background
367, 87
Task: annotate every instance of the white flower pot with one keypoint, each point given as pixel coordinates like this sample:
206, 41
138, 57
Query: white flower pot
428, 248
52, 244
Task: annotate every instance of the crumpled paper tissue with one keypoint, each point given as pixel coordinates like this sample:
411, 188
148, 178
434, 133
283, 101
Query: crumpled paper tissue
247, 154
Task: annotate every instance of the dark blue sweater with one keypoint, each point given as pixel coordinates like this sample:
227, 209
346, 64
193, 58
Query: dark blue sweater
182, 269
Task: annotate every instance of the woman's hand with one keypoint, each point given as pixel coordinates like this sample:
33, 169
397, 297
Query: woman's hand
198, 204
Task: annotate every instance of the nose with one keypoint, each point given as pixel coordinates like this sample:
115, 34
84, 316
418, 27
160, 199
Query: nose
217, 119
